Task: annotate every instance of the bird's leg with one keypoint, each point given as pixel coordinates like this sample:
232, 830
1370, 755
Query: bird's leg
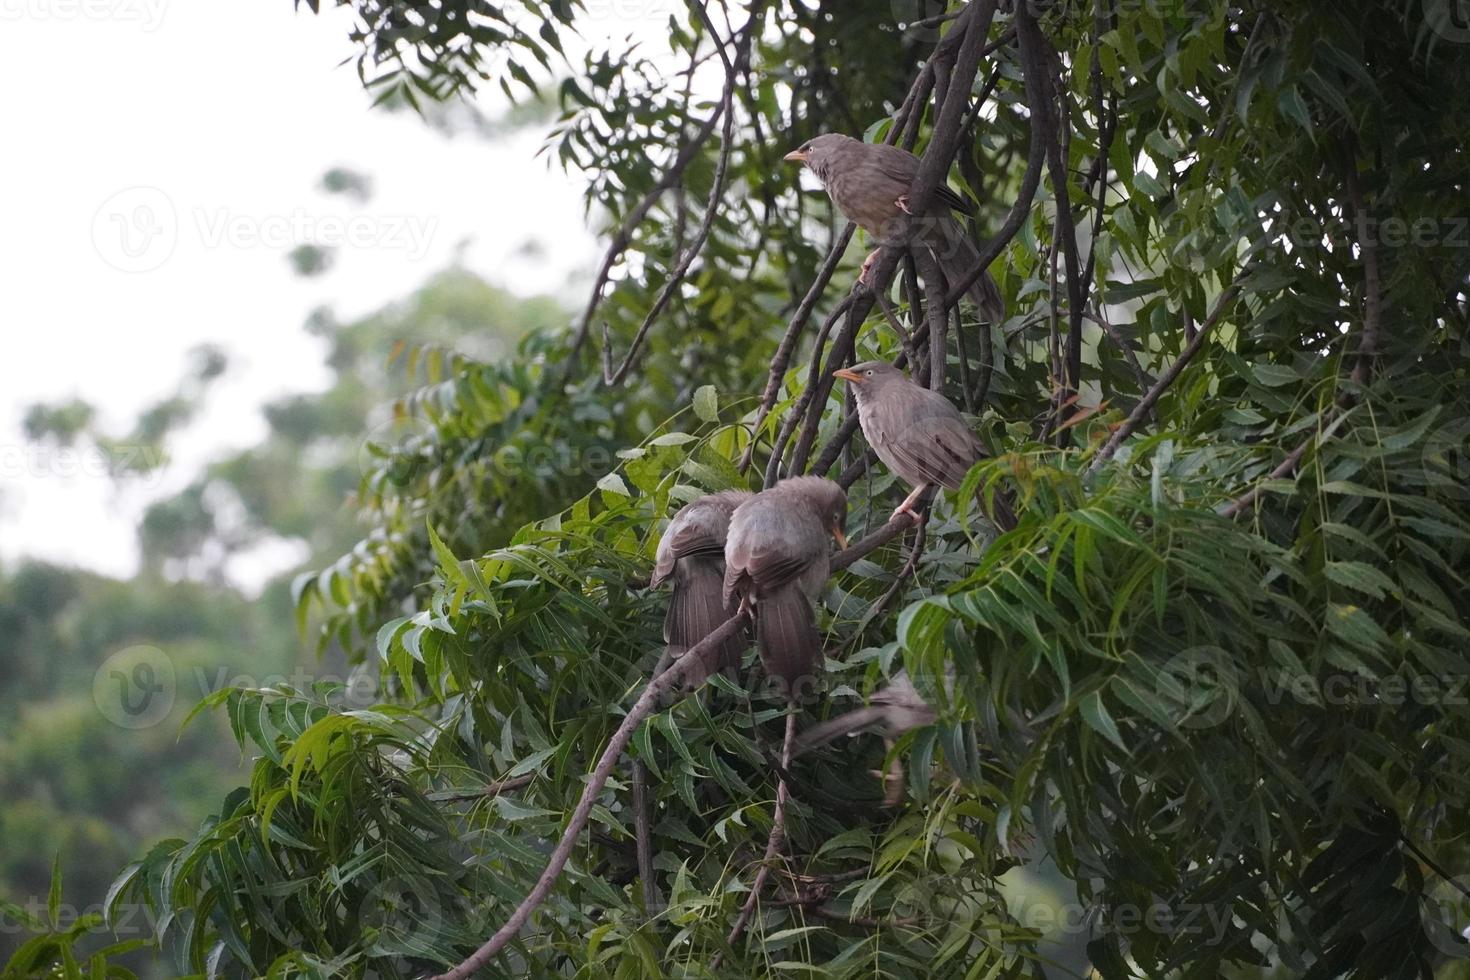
907, 507
868, 266
893, 782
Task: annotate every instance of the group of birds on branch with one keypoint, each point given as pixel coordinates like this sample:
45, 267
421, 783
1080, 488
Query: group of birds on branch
767, 555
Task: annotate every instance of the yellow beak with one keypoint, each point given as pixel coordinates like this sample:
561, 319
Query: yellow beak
841, 538
848, 374
795, 156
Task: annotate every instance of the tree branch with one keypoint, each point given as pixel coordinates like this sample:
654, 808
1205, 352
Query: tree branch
712, 208
1146, 404
644, 706
773, 842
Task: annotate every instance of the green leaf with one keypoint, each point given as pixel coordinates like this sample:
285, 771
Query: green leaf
707, 403
1095, 713
1363, 578
612, 483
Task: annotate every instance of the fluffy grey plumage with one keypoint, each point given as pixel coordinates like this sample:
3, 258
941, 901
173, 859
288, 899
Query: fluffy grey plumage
917, 433
777, 559
866, 182
691, 554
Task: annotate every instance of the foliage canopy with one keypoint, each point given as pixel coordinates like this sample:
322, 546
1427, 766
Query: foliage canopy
1215, 675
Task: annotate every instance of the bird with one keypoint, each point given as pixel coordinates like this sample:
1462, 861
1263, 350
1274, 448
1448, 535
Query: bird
917, 433
777, 561
891, 712
691, 554
869, 183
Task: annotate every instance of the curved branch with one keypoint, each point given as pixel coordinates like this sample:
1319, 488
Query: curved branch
676, 279
644, 706
773, 842
1146, 404
782, 359
631, 221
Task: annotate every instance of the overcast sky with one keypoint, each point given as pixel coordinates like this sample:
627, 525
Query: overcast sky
162, 157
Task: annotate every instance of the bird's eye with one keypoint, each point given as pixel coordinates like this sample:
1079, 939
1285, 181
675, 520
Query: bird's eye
870, 372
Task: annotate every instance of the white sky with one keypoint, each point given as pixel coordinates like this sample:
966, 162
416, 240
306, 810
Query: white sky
205, 125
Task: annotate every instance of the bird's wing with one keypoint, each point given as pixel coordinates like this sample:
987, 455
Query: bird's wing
683, 539
952, 200
774, 566
930, 440
903, 166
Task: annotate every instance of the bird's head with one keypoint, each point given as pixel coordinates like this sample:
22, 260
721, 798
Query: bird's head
820, 152
869, 377
825, 498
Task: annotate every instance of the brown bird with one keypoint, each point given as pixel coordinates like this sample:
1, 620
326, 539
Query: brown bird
777, 561
869, 183
692, 554
917, 433
891, 712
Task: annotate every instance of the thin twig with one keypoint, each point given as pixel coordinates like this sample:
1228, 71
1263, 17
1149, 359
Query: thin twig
1020, 208
778, 448
1037, 56
1145, 404
905, 339
1372, 282
773, 842
712, 208
631, 221
782, 358
1246, 501
490, 789
937, 316
643, 837
644, 706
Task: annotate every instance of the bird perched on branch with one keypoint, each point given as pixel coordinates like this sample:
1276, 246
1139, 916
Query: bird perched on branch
692, 554
918, 434
869, 183
891, 712
777, 561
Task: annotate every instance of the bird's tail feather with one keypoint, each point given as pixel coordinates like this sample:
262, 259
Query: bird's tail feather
1001, 509
786, 633
958, 257
696, 610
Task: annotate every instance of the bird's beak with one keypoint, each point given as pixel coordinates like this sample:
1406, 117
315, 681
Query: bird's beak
841, 538
795, 156
848, 374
